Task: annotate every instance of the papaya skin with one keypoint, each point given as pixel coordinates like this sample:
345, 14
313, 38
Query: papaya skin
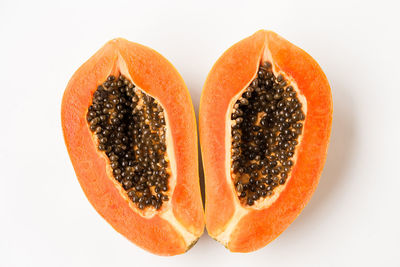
232, 72
158, 78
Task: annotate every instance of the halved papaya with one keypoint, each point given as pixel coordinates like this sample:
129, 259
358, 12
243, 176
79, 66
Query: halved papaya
130, 130
265, 121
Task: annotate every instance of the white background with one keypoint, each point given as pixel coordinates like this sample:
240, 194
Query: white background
353, 218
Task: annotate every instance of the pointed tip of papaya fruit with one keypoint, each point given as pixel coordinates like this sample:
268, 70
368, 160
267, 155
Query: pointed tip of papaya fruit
261, 31
118, 40
266, 33
192, 244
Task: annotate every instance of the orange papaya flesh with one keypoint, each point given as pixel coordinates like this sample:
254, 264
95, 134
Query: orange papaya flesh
174, 223
256, 211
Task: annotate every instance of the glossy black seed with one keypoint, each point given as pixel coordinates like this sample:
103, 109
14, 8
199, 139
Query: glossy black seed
247, 94
114, 164
127, 184
239, 188
135, 198
266, 65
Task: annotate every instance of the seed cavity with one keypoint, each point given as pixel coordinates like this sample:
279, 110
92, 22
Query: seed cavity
130, 128
267, 121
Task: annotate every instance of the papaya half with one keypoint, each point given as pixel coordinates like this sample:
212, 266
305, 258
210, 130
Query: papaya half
265, 121
130, 131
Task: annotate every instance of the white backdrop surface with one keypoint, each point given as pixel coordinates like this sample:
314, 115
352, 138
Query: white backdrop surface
354, 216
